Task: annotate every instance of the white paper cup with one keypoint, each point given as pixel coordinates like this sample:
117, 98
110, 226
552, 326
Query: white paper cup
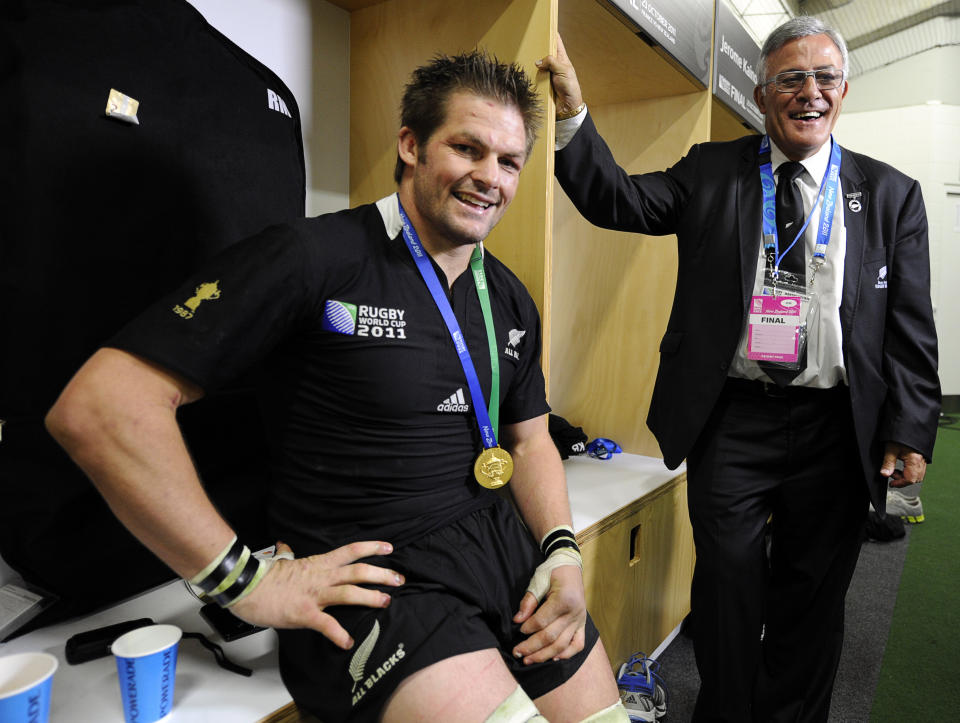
25, 683
146, 667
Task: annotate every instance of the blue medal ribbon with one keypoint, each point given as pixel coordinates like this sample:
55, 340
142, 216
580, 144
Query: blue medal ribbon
827, 194
422, 260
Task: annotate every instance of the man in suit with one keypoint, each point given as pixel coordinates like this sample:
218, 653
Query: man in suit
787, 435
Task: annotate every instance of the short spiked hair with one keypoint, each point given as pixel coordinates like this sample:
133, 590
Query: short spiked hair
424, 105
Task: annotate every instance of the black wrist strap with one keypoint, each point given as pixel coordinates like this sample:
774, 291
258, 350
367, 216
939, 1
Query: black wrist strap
219, 655
557, 539
240, 584
557, 544
220, 572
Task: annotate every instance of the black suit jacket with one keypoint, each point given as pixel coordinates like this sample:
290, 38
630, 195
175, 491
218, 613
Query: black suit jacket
711, 200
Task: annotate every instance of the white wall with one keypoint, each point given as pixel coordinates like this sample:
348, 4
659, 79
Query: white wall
930, 75
908, 115
923, 141
306, 43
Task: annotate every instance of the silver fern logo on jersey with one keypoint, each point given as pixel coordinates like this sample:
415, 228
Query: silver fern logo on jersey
513, 340
362, 683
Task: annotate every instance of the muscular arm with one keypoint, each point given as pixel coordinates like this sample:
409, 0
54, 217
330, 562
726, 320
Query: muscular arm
539, 488
117, 420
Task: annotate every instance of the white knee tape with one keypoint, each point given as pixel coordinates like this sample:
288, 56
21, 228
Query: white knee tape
616, 713
516, 708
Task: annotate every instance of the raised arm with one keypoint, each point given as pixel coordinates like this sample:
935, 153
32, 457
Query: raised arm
563, 78
117, 420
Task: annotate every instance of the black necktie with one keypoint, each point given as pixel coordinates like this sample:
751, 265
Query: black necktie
789, 223
790, 220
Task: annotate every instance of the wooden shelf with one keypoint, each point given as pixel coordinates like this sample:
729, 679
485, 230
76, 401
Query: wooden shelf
614, 64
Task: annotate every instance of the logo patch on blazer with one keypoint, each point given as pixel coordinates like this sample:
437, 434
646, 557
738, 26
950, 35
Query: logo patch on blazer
881, 278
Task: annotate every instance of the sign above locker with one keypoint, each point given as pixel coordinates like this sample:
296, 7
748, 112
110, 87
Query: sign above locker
681, 27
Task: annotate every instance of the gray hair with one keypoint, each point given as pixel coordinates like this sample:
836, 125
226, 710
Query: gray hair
799, 27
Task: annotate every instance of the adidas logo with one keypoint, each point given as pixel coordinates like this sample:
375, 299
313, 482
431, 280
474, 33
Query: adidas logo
456, 403
275, 102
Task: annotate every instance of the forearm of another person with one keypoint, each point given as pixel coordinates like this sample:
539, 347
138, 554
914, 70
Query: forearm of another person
555, 626
117, 420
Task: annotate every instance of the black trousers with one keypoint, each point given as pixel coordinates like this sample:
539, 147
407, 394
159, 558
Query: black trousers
778, 503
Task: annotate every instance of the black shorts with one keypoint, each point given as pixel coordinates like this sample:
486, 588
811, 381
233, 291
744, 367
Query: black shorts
463, 586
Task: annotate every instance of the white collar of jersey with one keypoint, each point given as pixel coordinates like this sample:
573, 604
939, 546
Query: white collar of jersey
389, 208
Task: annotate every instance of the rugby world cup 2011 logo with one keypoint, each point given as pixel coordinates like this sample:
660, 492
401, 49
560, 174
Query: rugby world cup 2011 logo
340, 317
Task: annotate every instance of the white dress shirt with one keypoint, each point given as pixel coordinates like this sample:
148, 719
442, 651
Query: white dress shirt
825, 367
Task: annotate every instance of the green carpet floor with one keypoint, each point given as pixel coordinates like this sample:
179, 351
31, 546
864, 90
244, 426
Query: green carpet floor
920, 676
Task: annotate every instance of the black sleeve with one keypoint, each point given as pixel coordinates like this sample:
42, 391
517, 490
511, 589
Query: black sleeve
526, 396
228, 315
607, 196
912, 407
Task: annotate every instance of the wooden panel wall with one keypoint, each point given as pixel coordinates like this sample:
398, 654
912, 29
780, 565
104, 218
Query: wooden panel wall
613, 291
724, 125
612, 63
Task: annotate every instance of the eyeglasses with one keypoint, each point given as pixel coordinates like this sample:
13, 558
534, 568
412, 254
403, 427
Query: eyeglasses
794, 80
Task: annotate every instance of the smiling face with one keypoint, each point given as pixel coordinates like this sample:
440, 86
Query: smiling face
801, 122
464, 177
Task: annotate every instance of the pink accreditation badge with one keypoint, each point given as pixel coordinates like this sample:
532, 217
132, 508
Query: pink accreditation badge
774, 329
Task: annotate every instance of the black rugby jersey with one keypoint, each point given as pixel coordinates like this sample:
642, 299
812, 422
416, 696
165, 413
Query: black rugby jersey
366, 403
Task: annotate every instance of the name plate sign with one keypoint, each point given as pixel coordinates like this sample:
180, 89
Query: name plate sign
735, 67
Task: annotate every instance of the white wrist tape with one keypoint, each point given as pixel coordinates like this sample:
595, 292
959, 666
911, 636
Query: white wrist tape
539, 584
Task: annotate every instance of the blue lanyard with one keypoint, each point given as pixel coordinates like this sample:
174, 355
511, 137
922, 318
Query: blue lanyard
827, 193
421, 259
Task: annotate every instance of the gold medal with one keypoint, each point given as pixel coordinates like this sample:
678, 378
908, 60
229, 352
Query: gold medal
493, 467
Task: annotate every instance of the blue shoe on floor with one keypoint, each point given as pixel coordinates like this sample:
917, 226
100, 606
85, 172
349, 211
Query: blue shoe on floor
642, 690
